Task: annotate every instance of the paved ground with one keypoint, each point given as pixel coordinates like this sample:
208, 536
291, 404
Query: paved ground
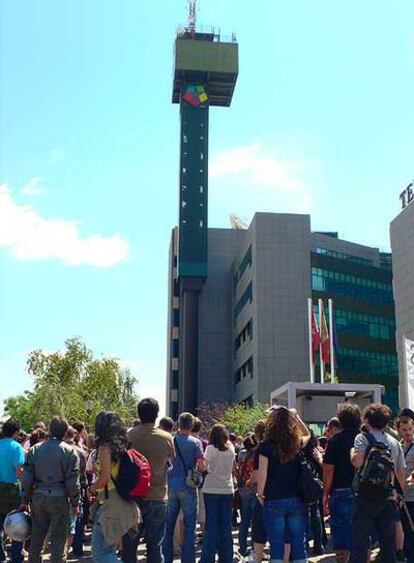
328, 558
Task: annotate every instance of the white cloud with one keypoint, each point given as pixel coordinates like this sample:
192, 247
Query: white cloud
255, 166
29, 236
33, 186
254, 178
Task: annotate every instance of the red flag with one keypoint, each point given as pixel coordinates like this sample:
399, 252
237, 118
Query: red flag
325, 342
316, 337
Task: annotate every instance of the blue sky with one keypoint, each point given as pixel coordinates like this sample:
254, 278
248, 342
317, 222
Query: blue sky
322, 122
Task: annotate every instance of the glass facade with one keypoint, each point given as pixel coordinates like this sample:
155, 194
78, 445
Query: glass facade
361, 324
364, 318
348, 285
344, 256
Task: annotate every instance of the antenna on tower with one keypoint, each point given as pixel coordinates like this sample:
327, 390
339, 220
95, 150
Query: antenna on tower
192, 17
237, 223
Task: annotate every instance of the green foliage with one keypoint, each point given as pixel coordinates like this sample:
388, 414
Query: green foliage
73, 384
239, 419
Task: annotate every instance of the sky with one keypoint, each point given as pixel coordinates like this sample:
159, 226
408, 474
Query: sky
321, 123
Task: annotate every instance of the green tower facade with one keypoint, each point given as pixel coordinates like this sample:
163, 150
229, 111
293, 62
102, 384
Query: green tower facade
205, 75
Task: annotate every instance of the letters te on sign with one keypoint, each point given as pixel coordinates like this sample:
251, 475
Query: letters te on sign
407, 195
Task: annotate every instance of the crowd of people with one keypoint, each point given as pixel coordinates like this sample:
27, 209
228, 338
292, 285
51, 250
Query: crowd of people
176, 485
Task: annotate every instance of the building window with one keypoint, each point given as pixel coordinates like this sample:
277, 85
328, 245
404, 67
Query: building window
175, 379
176, 288
339, 283
246, 370
248, 402
244, 264
247, 297
344, 256
176, 317
175, 348
245, 335
360, 324
369, 364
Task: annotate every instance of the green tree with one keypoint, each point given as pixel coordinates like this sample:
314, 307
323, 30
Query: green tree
241, 419
73, 384
238, 418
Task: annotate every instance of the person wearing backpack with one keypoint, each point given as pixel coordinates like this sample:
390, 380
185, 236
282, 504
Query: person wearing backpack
113, 515
158, 448
379, 459
182, 489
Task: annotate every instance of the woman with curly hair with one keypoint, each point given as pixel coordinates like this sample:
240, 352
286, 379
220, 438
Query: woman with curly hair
113, 516
278, 477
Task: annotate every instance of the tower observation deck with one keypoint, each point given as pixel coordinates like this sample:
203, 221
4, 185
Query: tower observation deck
205, 74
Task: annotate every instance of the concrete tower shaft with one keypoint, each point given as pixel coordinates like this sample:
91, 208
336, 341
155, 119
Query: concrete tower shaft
205, 75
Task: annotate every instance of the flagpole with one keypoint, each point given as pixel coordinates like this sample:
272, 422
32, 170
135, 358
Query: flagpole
320, 346
311, 365
331, 339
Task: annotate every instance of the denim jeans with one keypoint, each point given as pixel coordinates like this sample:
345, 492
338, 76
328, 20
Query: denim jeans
101, 551
248, 502
81, 521
16, 546
218, 532
341, 508
408, 533
315, 526
379, 517
154, 514
187, 501
286, 516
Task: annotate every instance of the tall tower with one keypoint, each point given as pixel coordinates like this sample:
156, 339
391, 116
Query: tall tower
205, 75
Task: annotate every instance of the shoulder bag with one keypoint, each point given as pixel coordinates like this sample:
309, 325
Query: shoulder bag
194, 478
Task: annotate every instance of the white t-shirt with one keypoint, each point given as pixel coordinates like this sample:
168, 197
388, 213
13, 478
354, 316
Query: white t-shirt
219, 480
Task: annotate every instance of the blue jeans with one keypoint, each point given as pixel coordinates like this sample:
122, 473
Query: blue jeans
379, 517
218, 532
408, 533
101, 551
16, 546
341, 508
187, 501
315, 529
154, 514
248, 502
286, 517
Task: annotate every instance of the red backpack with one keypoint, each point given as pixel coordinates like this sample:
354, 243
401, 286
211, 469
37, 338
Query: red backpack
134, 477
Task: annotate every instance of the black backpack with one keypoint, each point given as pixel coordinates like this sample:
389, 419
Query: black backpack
311, 486
375, 478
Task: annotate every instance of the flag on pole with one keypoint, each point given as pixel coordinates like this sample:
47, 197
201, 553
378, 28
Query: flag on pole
316, 337
335, 341
409, 370
325, 342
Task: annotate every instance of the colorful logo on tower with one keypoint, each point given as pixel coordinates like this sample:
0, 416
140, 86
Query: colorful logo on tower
195, 95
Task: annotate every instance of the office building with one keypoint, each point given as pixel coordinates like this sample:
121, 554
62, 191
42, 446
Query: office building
402, 244
252, 326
